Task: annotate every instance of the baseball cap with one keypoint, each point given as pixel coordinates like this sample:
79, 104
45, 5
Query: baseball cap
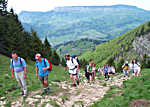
37, 56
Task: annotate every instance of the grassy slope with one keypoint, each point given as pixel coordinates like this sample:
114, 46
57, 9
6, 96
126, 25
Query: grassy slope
109, 49
136, 88
10, 89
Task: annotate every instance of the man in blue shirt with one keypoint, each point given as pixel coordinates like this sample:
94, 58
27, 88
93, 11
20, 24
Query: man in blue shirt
106, 73
18, 66
42, 71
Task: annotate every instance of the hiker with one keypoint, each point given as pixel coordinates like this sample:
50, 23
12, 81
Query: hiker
86, 73
106, 73
125, 68
93, 71
131, 67
136, 67
18, 66
111, 70
89, 70
100, 70
42, 71
139, 69
73, 67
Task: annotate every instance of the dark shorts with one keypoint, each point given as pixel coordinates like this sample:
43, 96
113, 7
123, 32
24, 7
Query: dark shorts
73, 74
88, 74
43, 78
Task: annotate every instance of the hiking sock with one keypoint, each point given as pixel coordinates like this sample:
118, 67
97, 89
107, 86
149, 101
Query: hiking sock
48, 90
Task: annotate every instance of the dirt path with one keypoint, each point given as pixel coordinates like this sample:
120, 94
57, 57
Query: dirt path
84, 95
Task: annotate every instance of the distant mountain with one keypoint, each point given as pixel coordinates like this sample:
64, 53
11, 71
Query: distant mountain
71, 23
132, 45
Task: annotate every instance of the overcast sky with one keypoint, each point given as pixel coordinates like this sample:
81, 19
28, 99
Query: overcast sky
46, 5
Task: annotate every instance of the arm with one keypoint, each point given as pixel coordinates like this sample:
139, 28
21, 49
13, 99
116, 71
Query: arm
24, 67
66, 68
25, 72
76, 63
36, 69
12, 68
78, 68
47, 65
12, 73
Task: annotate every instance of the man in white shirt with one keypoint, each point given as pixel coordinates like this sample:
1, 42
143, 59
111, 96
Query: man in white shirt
73, 67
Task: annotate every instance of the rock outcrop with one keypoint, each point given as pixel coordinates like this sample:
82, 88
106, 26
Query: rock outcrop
142, 45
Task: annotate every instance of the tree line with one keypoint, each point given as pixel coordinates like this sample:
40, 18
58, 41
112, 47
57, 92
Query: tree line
14, 37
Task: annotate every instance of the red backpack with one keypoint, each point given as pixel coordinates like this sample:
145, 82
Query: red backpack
50, 64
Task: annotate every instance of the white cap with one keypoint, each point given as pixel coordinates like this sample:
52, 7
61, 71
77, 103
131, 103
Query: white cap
37, 56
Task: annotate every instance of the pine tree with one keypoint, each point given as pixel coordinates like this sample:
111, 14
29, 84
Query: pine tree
63, 62
119, 65
47, 49
36, 44
55, 58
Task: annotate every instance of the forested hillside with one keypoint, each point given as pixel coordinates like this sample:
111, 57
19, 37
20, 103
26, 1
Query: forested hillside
130, 45
72, 23
77, 47
14, 37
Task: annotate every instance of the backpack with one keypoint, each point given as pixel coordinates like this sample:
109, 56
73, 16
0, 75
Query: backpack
126, 67
50, 64
85, 68
13, 61
74, 57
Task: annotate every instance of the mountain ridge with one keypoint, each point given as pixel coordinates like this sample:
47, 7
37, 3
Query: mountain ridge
69, 23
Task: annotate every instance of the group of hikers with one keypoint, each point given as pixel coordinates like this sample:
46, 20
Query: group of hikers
18, 67
43, 67
132, 68
90, 71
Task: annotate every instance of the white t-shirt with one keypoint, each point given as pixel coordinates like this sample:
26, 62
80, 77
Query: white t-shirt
71, 65
113, 69
131, 66
137, 66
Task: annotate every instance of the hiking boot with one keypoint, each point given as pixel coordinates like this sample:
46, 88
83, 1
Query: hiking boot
44, 92
107, 79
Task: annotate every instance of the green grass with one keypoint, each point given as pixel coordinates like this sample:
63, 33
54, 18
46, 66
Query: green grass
9, 88
136, 88
113, 48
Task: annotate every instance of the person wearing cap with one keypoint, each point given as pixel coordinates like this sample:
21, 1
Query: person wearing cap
18, 66
73, 67
42, 72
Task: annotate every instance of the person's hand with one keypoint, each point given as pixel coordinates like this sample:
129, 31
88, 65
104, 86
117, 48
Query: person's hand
44, 69
77, 70
13, 77
25, 76
66, 68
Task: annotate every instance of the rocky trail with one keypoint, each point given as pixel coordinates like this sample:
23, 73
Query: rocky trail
84, 95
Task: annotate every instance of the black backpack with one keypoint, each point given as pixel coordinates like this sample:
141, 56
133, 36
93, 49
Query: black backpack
74, 57
85, 68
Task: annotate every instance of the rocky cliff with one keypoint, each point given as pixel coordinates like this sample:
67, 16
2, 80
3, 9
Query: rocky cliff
142, 45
